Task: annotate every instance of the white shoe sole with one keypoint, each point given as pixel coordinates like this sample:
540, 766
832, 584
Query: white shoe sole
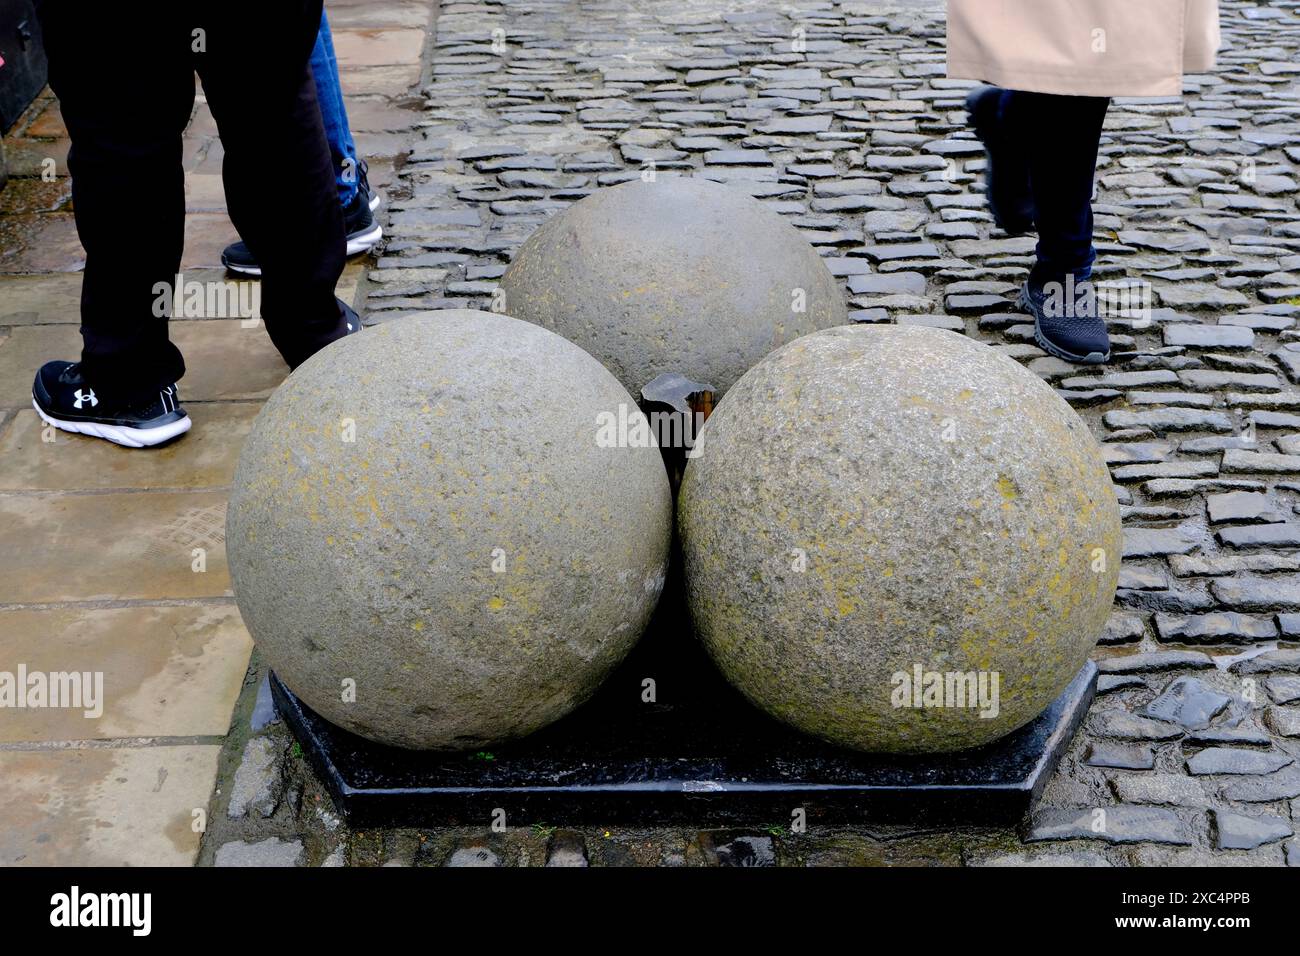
366, 241
356, 245
119, 434
244, 270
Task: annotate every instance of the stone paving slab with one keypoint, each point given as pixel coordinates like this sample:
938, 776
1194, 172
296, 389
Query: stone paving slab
39, 457
98, 572
104, 806
112, 547
377, 47
225, 360
34, 300
171, 671
40, 242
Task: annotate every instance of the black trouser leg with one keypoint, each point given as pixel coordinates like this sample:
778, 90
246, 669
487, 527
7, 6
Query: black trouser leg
126, 90
1060, 136
280, 184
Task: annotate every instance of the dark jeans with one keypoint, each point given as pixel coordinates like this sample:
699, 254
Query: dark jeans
125, 82
1059, 137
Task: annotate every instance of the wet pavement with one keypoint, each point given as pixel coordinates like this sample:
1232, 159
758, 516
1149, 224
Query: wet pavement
112, 561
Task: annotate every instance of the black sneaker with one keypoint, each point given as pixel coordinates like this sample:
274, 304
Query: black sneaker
1006, 174
363, 185
358, 219
63, 399
1067, 323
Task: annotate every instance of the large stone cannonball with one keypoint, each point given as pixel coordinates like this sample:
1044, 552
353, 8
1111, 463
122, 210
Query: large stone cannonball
675, 275
425, 518
873, 505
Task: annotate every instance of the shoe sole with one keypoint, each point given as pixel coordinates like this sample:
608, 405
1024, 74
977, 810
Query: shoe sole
1092, 358
242, 269
365, 241
356, 245
119, 434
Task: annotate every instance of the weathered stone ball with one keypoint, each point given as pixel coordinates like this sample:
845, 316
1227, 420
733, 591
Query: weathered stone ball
675, 275
430, 543
898, 540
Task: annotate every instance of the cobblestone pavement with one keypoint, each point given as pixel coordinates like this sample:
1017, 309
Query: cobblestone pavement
838, 115
99, 545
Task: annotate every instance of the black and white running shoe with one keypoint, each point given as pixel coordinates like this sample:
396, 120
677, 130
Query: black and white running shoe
358, 220
372, 197
65, 400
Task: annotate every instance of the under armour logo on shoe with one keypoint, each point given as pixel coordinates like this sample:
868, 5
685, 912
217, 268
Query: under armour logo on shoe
87, 396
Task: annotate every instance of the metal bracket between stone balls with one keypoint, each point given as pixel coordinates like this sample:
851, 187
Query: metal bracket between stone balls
679, 406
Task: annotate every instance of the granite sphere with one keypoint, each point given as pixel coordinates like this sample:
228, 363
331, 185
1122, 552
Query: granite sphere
675, 275
884, 523
425, 519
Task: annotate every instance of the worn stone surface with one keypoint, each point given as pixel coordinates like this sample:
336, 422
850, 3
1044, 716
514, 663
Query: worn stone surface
271, 852
567, 848
473, 856
1117, 824
1189, 702
258, 783
456, 547
654, 277
1284, 784
1168, 789
817, 640
109, 806
1228, 760
1237, 831
1139, 756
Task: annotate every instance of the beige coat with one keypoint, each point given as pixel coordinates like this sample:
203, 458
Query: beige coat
1083, 47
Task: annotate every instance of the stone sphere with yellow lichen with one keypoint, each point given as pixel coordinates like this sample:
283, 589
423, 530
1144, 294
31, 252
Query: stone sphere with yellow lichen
428, 539
898, 540
675, 275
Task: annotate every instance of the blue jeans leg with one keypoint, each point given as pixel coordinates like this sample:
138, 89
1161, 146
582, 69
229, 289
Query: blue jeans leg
334, 115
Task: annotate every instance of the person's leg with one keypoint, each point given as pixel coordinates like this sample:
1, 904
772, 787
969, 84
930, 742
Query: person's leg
1061, 135
334, 114
1006, 169
355, 197
280, 183
126, 90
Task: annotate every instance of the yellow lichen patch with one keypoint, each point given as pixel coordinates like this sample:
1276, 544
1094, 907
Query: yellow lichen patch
1007, 488
496, 603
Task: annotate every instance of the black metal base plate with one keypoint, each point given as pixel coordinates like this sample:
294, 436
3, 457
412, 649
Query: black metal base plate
701, 755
